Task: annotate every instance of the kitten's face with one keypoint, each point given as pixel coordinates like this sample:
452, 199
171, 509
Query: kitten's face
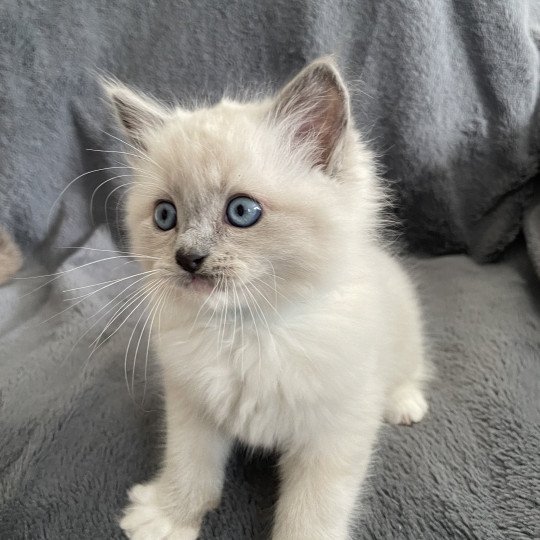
235, 203
247, 219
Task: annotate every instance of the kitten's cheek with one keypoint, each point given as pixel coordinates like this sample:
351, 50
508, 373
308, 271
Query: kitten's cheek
146, 265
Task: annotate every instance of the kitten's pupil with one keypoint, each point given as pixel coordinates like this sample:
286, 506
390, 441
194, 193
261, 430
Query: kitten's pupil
164, 213
240, 210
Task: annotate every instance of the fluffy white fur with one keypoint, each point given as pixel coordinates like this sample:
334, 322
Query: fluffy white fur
312, 333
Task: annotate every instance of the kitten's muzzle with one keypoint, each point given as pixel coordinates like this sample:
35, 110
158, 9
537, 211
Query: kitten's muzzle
190, 261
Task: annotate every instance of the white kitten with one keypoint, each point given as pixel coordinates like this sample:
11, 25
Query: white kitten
285, 323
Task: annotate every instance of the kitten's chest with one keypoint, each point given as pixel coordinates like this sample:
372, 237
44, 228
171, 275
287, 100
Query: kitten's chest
257, 386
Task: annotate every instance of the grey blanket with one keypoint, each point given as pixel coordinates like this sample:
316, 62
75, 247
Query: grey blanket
72, 440
447, 92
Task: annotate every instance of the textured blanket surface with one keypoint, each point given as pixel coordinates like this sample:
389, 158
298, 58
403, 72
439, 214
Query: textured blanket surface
72, 440
446, 91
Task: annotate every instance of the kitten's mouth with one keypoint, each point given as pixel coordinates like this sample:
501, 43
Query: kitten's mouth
200, 284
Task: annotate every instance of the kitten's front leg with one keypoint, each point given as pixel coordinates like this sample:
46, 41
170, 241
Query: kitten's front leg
319, 488
172, 506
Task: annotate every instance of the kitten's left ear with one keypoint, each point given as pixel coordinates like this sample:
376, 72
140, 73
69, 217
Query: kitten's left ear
315, 108
137, 113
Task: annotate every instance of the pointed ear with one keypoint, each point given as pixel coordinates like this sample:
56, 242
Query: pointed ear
138, 114
315, 108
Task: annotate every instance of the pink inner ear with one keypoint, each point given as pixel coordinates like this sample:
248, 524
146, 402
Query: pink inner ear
317, 104
321, 126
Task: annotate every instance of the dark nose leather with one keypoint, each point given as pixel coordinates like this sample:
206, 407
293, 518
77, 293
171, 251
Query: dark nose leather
190, 262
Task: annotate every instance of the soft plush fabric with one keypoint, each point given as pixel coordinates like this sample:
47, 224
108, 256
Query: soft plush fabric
446, 91
72, 440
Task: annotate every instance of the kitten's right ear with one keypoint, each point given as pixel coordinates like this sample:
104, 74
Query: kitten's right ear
137, 113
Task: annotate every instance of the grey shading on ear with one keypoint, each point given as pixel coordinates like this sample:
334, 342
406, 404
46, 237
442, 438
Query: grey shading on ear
315, 106
138, 114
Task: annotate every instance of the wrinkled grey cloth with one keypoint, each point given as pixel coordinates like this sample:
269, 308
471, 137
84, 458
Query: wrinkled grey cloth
72, 440
447, 92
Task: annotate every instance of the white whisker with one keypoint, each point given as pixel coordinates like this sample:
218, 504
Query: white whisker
139, 151
143, 293
116, 152
241, 330
78, 178
106, 284
137, 347
128, 253
202, 306
159, 306
254, 322
100, 186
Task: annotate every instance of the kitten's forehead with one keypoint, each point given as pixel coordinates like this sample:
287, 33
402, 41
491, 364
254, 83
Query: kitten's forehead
207, 149
208, 135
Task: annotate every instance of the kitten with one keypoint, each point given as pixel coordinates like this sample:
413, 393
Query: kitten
286, 323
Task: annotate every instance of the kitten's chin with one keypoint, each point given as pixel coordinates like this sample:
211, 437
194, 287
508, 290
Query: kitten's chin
196, 284
201, 285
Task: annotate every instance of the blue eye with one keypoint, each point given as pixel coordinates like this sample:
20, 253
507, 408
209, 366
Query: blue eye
243, 212
165, 215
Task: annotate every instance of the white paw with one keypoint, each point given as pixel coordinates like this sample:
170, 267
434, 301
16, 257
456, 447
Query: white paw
406, 406
144, 519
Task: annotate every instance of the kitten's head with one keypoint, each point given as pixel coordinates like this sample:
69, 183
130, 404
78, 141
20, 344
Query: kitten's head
267, 199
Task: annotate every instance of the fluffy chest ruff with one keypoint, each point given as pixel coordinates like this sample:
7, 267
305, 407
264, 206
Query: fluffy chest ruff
271, 383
